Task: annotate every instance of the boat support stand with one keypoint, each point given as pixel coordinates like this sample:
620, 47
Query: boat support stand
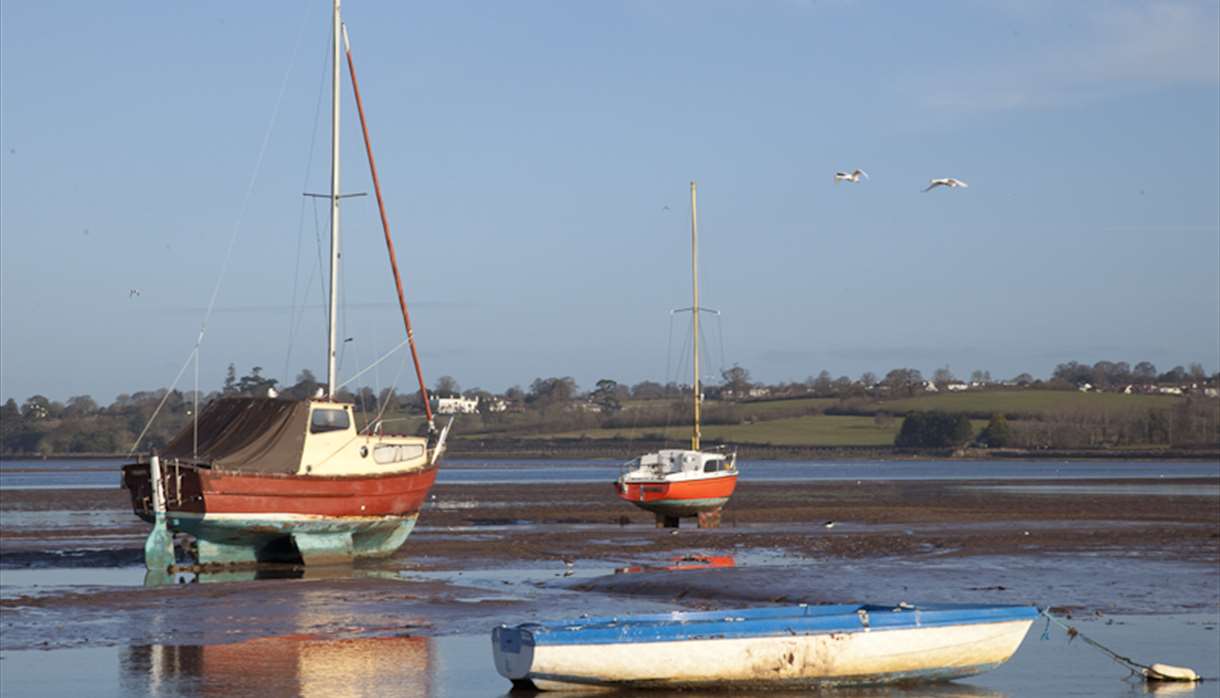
159, 546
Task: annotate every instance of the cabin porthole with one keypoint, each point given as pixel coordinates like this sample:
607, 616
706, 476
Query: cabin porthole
309, 468
364, 451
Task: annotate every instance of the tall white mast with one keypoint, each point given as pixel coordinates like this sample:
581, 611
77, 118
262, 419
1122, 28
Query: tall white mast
331, 378
694, 273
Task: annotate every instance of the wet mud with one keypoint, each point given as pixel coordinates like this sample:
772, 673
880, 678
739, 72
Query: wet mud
71, 573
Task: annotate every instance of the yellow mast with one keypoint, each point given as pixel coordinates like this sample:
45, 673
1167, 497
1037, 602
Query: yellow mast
694, 270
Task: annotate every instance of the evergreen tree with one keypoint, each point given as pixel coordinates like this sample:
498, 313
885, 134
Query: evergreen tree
997, 433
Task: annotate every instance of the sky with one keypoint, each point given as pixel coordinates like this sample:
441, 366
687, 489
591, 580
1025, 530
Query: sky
536, 159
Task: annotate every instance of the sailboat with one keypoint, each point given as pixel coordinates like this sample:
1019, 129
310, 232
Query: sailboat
262, 479
678, 483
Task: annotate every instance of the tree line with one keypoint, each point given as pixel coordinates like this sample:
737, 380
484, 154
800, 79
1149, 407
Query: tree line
81, 425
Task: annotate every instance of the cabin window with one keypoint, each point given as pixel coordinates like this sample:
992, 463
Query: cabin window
329, 420
397, 453
711, 466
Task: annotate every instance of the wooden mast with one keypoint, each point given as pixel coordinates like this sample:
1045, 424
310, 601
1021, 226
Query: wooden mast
694, 270
385, 227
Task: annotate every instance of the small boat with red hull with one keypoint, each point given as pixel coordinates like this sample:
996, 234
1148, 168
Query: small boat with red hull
678, 483
279, 480
256, 479
673, 483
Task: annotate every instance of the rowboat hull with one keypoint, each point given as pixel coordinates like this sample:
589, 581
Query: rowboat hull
794, 654
680, 498
239, 517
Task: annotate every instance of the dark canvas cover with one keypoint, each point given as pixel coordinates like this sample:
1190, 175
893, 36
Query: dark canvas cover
254, 434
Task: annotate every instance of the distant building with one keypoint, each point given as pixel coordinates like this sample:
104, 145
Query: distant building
1169, 390
456, 405
930, 387
956, 387
497, 405
1084, 387
759, 391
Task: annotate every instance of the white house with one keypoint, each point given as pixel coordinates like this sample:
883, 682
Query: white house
930, 387
956, 387
456, 405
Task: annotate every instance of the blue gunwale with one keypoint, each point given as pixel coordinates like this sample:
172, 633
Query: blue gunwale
763, 622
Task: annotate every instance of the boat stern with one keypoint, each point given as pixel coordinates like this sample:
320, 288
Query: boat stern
513, 651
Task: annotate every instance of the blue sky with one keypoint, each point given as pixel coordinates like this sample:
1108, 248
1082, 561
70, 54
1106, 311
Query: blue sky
528, 151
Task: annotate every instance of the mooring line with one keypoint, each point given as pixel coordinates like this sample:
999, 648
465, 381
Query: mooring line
1151, 672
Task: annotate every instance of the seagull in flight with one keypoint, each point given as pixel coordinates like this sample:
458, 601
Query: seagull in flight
133, 293
946, 182
853, 176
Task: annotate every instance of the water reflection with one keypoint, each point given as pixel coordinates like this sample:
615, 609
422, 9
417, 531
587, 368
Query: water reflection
305, 665
682, 563
223, 575
298, 665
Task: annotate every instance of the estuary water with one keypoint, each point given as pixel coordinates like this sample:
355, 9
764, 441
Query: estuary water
104, 473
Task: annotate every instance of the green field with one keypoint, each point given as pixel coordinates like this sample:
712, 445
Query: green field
1028, 402
790, 422
816, 430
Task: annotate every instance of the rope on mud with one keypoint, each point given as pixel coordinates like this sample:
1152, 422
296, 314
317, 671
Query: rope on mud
1150, 672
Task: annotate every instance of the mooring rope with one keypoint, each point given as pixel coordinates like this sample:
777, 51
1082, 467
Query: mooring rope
1073, 633
1154, 672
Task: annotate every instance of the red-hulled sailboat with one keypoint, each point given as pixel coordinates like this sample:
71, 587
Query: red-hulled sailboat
269, 479
674, 483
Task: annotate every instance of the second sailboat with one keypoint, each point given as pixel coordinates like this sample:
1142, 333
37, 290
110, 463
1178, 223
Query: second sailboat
677, 483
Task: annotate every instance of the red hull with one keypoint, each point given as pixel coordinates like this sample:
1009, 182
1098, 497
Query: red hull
683, 497
192, 490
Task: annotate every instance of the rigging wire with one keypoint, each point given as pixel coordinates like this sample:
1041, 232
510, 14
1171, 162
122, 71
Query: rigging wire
390, 393
241, 214
373, 365
295, 314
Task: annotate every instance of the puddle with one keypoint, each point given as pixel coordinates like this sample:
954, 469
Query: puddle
101, 519
460, 666
1159, 490
529, 576
36, 581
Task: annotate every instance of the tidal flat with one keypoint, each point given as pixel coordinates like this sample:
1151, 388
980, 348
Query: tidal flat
1133, 562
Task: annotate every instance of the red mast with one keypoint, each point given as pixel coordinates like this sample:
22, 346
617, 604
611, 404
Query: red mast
385, 226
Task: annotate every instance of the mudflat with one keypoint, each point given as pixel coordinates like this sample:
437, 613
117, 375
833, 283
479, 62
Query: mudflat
482, 554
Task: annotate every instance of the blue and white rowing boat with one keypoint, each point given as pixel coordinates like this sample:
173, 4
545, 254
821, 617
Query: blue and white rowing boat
782, 647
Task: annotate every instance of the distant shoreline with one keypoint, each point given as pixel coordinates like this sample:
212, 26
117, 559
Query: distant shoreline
624, 449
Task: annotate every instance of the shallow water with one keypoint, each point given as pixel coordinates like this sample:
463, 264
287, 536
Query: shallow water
104, 473
460, 666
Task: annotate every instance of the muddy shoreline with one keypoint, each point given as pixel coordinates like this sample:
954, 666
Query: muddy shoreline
482, 554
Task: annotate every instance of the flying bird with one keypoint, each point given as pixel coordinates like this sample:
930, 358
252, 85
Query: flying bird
853, 176
946, 182
133, 293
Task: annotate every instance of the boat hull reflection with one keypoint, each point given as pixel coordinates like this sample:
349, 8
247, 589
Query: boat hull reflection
296, 665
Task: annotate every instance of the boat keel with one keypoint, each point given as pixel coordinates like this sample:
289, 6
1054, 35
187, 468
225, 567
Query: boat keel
324, 548
706, 519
